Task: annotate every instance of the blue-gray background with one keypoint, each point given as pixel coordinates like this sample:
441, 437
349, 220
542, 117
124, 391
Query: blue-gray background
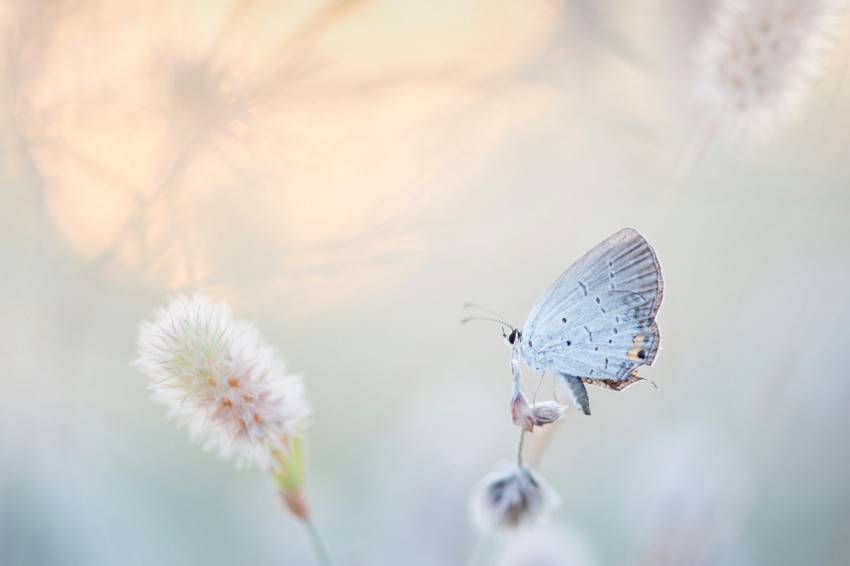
348, 175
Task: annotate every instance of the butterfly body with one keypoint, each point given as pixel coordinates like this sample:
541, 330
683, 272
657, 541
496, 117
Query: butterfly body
596, 323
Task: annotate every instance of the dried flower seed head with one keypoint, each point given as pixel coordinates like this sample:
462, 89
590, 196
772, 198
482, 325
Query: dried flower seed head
511, 497
547, 412
547, 545
222, 381
521, 410
759, 58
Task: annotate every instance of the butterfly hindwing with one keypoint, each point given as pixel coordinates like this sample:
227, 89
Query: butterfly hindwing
597, 320
607, 339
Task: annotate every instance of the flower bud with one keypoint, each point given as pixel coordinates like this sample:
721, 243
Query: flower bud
547, 412
521, 411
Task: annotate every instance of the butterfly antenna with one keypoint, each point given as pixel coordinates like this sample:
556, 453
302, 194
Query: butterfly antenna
500, 321
485, 309
499, 318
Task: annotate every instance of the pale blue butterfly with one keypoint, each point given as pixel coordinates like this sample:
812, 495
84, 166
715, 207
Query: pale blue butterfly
595, 324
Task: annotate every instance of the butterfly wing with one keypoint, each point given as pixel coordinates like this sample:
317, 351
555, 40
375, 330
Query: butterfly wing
597, 320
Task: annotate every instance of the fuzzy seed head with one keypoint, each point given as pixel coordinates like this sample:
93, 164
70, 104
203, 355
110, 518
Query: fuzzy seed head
220, 379
547, 412
759, 58
521, 411
547, 545
511, 497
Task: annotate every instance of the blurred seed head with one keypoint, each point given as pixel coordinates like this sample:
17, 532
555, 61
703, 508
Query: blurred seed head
758, 59
220, 379
545, 546
511, 497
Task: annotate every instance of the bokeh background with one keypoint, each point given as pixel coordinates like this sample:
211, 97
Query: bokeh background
347, 174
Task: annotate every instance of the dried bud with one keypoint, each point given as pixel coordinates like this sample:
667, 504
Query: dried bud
295, 502
521, 411
510, 498
547, 412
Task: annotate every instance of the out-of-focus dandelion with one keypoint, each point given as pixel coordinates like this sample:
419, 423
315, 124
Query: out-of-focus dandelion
550, 545
511, 497
758, 60
223, 382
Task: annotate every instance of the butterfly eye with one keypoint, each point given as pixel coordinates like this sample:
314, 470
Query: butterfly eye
512, 337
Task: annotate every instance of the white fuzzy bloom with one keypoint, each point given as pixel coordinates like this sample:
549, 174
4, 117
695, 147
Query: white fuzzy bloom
545, 546
221, 380
511, 497
758, 60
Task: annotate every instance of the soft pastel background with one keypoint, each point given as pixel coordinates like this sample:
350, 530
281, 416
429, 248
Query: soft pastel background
348, 174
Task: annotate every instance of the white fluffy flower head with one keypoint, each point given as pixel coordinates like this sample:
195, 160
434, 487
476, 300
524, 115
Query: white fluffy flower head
221, 380
759, 58
545, 546
511, 497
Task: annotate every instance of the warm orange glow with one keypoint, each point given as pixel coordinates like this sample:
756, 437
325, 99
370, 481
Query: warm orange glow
278, 149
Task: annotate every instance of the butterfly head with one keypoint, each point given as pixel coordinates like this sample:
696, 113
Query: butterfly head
512, 338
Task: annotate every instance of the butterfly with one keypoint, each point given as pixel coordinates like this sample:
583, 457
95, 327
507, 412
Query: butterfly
594, 325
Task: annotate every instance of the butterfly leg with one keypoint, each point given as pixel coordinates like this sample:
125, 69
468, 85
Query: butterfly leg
536, 389
577, 391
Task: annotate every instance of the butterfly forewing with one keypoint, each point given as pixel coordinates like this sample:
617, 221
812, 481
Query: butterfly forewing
597, 319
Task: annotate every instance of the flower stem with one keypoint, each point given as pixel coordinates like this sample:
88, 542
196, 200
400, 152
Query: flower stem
519, 447
481, 551
319, 546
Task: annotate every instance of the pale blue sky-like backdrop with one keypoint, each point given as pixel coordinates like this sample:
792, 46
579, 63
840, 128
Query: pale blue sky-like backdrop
348, 174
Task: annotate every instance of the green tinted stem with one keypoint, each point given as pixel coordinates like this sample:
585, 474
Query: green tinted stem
319, 546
